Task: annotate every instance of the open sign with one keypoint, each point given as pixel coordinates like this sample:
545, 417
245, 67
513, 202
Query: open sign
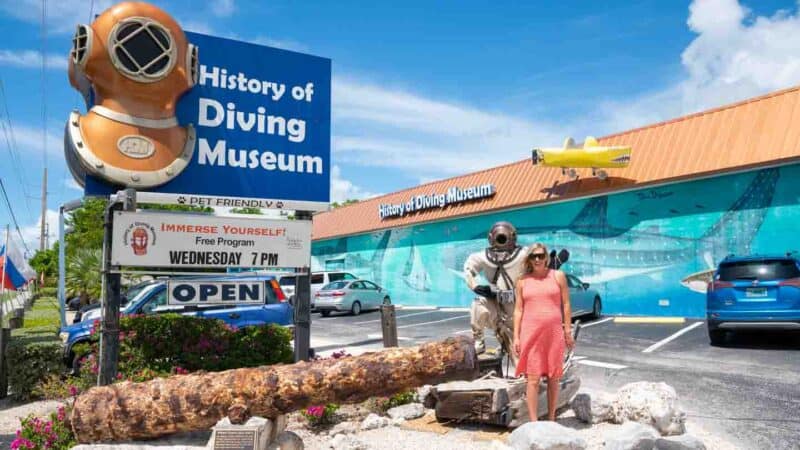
216, 292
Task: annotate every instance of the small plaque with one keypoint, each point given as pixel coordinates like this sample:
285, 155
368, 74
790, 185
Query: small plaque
235, 439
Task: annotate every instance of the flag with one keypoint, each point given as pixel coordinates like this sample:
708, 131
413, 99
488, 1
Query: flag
16, 268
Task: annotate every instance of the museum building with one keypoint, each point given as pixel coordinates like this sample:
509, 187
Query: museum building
698, 188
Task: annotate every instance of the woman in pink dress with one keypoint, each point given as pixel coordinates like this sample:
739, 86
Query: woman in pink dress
542, 327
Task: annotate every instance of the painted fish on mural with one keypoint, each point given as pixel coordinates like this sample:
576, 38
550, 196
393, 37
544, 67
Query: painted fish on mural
414, 273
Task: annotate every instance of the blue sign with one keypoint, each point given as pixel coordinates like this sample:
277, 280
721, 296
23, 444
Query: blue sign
262, 121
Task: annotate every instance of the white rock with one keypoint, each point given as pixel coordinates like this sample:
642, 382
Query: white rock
631, 436
593, 408
287, 440
654, 404
425, 396
682, 442
408, 412
545, 436
343, 428
345, 442
497, 445
374, 421
397, 422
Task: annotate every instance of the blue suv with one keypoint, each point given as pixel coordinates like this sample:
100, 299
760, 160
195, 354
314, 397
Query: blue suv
153, 300
753, 293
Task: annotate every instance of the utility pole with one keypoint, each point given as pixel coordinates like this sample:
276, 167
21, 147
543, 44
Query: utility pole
43, 232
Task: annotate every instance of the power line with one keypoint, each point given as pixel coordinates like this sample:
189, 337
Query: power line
13, 217
11, 143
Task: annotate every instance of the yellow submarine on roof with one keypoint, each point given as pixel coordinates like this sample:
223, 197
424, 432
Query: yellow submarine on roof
589, 155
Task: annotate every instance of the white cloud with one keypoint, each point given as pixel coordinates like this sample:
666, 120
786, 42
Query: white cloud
223, 8
31, 59
62, 16
395, 128
70, 183
735, 56
29, 141
342, 189
31, 232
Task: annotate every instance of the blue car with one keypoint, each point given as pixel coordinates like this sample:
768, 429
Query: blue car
153, 300
753, 293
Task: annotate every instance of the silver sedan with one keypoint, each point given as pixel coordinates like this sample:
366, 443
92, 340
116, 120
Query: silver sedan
350, 295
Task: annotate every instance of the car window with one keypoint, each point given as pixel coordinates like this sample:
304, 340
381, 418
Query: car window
760, 270
335, 285
348, 276
357, 285
370, 285
133, 302
160, 299
287, 281
317, 278
336, 276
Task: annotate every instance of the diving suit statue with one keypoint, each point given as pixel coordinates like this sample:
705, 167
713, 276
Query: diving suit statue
501, 263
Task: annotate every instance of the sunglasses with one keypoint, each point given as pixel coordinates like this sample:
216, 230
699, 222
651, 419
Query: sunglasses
539, 256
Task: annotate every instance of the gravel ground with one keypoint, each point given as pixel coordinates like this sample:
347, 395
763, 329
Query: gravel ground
10, 415
388, 438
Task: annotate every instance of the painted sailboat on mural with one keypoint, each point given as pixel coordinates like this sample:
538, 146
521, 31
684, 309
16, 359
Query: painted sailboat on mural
414, 274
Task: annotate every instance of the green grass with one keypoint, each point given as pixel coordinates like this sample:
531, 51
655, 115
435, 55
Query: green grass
41, 323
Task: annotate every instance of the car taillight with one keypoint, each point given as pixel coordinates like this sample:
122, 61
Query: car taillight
337, 294
714, 285
316, 295
278, 291
794, 282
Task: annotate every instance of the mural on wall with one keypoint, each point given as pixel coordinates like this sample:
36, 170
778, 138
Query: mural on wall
646, 251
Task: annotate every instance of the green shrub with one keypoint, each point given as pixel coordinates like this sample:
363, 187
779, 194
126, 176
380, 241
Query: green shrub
161, 345
379, 405
48, 292
320, 415
31, 363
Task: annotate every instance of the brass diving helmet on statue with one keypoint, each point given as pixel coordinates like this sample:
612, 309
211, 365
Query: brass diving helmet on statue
134, 62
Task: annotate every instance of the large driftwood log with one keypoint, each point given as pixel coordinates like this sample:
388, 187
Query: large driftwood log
196, 402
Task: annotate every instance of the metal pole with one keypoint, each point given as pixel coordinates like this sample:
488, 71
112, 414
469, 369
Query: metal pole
109, 335
62, 302
302, 307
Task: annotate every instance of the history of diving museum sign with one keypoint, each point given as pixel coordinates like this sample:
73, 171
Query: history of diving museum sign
156, 239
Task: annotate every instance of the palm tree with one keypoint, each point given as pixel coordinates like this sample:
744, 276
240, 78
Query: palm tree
83, 275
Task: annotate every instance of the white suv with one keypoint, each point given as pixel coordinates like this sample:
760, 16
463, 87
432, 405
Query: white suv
318, 279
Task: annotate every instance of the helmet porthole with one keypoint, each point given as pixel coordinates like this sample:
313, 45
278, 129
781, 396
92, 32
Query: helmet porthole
81, 45
142, 49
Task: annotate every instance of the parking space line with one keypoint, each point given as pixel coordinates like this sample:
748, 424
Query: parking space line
649, 319
589, 324
589, 362
435, 321
398, 317
417, 308
454, 309
671, 338
380, 336
463, 331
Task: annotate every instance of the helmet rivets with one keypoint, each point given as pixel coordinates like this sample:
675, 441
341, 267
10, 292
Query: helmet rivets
99, 165
170, 171
135, 177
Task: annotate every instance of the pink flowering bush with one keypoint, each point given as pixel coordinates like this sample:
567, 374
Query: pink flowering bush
320, 415
53, 432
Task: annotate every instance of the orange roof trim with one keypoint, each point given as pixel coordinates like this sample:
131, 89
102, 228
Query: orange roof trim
758, 132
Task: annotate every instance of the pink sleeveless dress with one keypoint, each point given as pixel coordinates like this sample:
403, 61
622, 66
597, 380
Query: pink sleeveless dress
542, 342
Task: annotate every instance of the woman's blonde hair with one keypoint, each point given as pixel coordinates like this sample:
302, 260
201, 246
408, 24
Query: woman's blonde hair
529, 261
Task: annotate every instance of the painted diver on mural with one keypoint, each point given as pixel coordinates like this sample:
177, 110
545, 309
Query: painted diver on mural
502, 263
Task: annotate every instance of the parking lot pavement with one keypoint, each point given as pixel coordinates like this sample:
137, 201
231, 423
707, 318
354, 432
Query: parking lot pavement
748, 390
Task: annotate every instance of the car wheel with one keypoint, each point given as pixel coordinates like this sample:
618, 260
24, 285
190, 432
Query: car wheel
597, 308
356, 308
325, 313
387, 300
716, 337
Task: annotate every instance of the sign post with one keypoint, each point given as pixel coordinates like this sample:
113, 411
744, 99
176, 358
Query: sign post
302, 304
109, 336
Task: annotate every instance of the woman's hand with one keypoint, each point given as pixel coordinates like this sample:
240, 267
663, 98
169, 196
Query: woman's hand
516, 348
569, 339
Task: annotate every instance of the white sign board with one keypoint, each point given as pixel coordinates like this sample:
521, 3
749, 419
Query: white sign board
215, 292
157, 239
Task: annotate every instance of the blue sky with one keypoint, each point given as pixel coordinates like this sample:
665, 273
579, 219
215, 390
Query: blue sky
424, 91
